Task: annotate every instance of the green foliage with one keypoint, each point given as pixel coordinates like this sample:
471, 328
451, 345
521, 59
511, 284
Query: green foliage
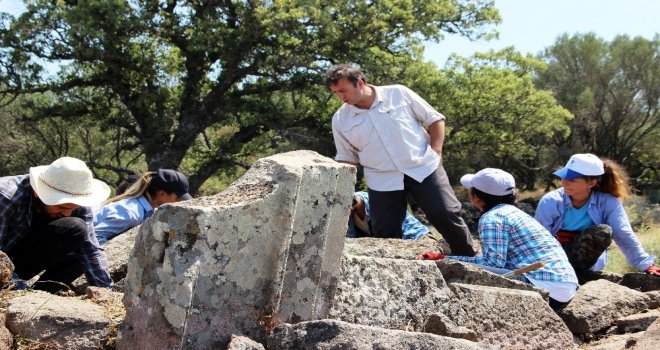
209, 86
612, 89
496, 116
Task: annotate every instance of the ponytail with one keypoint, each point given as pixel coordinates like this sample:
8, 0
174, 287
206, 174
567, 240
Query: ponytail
614, 181
139, 188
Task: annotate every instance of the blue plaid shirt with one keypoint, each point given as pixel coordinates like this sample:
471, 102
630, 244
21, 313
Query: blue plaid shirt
511, 239
16, 216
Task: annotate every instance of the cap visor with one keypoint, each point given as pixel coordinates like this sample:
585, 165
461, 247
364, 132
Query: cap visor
466, 180
185, 197
566, 173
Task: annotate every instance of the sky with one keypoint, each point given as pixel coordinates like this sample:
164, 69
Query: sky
532, 25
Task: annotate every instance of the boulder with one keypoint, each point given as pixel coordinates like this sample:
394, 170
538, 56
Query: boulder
599, 303
60, 322
454, 271
6, 338
407, 249
654, 299
637, 322
650, 339
333, 334
243, 343
643, 282
392, 293
266, 248
512, 319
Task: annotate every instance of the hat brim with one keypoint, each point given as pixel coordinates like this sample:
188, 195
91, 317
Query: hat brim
466, 180
185, 197
49, 196
568, 174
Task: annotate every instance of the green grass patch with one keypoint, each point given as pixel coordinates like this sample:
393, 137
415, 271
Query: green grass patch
649, 236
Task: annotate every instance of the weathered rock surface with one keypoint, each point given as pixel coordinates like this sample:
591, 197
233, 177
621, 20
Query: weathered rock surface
267, 247
458, 272
333, 334
407, 249
641, 281
6, 338
613, 342
6, 270
243, 343
650, 339
392, 293
637, 322
599, 303
654, 299
513, 319
65, 323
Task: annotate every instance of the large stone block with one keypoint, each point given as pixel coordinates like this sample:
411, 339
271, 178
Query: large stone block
267, 248
393, 293
333, 334
512, 319
599, 303
641, 281
57, 322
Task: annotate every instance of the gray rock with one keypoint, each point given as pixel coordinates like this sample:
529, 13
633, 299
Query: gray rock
654, 299
643, 282
333, 334
243, 343
599, 303
650, 339
407, 249
512, 319
6, 338
439, 324
62, 322
458, 272
637, 322
613, 342
392, 293
268, 247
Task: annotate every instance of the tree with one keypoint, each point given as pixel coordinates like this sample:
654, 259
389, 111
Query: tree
613, 91
496, 117
195, 82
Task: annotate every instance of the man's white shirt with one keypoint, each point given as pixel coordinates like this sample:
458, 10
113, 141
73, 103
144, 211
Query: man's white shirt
389, 139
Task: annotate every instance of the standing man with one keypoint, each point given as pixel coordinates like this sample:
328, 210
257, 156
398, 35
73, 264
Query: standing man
46, 223
382, 129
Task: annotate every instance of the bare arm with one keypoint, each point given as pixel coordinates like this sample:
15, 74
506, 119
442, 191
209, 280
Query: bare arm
437, 133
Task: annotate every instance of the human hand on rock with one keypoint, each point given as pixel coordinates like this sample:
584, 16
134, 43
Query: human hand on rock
430, 256
653, 270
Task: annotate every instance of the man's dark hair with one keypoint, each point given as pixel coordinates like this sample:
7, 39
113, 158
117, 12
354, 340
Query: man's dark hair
339, 71
491, 200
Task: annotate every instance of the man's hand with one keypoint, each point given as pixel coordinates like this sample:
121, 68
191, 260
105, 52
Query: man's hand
653, 270
430, 256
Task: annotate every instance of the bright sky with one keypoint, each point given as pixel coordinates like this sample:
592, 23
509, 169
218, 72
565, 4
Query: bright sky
532, 25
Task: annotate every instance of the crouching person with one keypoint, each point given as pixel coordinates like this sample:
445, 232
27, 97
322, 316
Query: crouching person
46, 224
511, 239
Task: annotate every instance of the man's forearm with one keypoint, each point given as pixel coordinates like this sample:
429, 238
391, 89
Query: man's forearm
437, 134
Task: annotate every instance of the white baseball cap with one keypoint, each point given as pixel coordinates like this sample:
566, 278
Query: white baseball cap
584, 164
493, 181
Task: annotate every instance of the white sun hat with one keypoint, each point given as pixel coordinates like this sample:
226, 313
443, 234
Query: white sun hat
493, 181
67, 180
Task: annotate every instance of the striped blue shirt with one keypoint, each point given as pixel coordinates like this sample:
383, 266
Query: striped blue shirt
511, 239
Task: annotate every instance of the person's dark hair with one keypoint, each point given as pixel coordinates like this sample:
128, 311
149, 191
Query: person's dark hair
491, 200
339, 71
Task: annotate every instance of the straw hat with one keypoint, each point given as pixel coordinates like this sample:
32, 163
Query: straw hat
67, 180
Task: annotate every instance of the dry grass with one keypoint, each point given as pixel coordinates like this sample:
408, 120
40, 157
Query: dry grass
650, 239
